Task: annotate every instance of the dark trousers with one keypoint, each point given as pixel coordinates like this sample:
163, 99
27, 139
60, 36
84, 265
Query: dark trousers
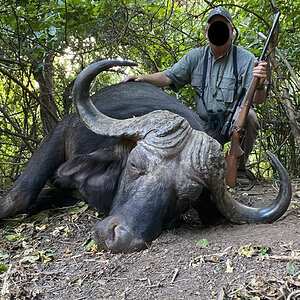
247, 141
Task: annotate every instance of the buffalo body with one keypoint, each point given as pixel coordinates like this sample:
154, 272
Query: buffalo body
143, 160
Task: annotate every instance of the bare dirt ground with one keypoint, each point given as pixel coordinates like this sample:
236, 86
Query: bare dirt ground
51, 256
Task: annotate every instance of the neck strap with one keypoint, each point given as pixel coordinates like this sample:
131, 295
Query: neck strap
205, 64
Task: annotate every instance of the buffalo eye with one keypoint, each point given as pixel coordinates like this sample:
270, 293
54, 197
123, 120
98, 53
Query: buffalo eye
136, 168
137, 163
132, 165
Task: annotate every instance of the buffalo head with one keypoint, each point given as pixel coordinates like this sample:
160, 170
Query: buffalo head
165, 173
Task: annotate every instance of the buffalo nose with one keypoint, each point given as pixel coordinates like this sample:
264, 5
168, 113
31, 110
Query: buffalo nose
111, 234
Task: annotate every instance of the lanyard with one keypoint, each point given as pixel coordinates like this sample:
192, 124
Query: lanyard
220, 77
205, 63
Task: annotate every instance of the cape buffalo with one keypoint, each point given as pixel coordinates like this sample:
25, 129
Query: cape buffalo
143, 160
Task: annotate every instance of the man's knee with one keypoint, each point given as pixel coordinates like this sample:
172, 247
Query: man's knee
252, 123
252, 118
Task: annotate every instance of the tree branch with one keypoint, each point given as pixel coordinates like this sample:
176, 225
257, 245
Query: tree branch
25, 88
22, 136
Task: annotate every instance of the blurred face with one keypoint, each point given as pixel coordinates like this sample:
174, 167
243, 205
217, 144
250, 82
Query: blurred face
219, 31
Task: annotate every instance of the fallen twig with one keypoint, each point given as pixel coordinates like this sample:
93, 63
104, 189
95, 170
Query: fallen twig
215, 257
176, 271
221, 294
285, 257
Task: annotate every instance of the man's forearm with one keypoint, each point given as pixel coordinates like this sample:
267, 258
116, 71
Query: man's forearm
260, 71
158, 79
260, 96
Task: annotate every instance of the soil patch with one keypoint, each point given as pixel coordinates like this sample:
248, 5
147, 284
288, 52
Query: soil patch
52, 256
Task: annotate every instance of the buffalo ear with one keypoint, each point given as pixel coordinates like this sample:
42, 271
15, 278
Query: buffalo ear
95, 169
95, 175
75, 171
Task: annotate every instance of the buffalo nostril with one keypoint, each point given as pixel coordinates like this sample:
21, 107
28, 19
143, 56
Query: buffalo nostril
113, 235
118, 237
111, 232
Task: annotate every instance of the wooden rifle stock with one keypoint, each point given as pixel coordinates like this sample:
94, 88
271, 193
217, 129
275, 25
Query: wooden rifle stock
235, 152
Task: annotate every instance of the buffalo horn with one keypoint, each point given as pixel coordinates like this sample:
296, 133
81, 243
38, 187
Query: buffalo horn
101, 124
239, 213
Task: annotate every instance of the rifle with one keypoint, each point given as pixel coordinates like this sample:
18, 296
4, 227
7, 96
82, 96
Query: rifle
233, 114
235, 152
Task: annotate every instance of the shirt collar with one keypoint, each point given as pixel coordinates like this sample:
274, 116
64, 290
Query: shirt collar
225, 54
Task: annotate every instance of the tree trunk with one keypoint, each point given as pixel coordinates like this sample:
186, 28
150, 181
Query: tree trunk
285, 98
44, 77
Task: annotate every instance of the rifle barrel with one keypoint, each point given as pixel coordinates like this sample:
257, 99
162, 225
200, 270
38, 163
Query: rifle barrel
276, 18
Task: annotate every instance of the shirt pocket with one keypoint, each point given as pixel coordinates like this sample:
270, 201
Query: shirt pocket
225, 92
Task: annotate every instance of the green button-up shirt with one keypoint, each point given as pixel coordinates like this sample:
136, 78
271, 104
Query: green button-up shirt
220, 80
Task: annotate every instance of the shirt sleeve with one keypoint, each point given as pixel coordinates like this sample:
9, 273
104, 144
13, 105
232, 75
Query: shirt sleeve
247, 70
180, 73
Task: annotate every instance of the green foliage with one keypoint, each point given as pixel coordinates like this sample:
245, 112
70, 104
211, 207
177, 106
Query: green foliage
203, 243
3, 268
45, 44
291, 268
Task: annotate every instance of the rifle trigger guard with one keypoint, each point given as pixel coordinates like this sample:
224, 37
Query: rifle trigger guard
237, 128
